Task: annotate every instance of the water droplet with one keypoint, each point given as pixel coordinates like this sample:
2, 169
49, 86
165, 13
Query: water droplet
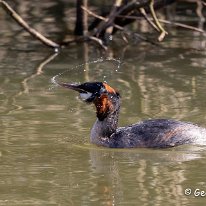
56, 50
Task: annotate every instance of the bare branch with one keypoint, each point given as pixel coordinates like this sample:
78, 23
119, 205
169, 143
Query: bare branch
109, 30
32, 31
113, 14
119, 27
143, 12
169, 22
93, 14
102, 18
154, 16
199, 9
98, 41
85, 19
183, 26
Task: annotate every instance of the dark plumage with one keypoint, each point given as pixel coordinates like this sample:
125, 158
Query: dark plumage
157, 133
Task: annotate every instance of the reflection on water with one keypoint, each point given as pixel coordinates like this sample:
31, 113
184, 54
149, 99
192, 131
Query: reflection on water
144, 171
45, 154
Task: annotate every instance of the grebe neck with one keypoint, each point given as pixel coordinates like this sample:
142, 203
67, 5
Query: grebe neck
104, 128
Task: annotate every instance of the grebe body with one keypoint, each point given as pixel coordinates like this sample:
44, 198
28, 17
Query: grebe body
157, 133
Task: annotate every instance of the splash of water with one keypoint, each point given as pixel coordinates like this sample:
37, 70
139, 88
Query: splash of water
100, 60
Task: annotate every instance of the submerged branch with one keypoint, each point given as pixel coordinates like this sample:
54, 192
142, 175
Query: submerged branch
29, 29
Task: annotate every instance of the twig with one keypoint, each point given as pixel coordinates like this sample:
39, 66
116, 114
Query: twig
85, 19
128, 8
183, 26
32, 31
118, 27
169, 22
73, 40
124, 38
143, 12
98, 41
113, 14
162, 30
83, 39
199, 10
102, 18
93, 14
115, 8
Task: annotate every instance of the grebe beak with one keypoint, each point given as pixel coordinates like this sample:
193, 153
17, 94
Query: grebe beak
91, 87
73, 86
88, 91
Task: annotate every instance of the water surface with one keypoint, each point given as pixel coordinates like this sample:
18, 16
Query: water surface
45, 154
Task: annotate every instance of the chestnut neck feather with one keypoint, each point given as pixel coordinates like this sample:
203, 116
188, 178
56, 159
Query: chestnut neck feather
103, 107
107, 107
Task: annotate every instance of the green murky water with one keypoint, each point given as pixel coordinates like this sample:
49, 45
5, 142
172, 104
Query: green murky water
45, 154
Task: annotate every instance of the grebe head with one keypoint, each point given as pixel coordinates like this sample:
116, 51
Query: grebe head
105, 98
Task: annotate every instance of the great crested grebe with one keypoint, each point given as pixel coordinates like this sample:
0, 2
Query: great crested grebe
157, 133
